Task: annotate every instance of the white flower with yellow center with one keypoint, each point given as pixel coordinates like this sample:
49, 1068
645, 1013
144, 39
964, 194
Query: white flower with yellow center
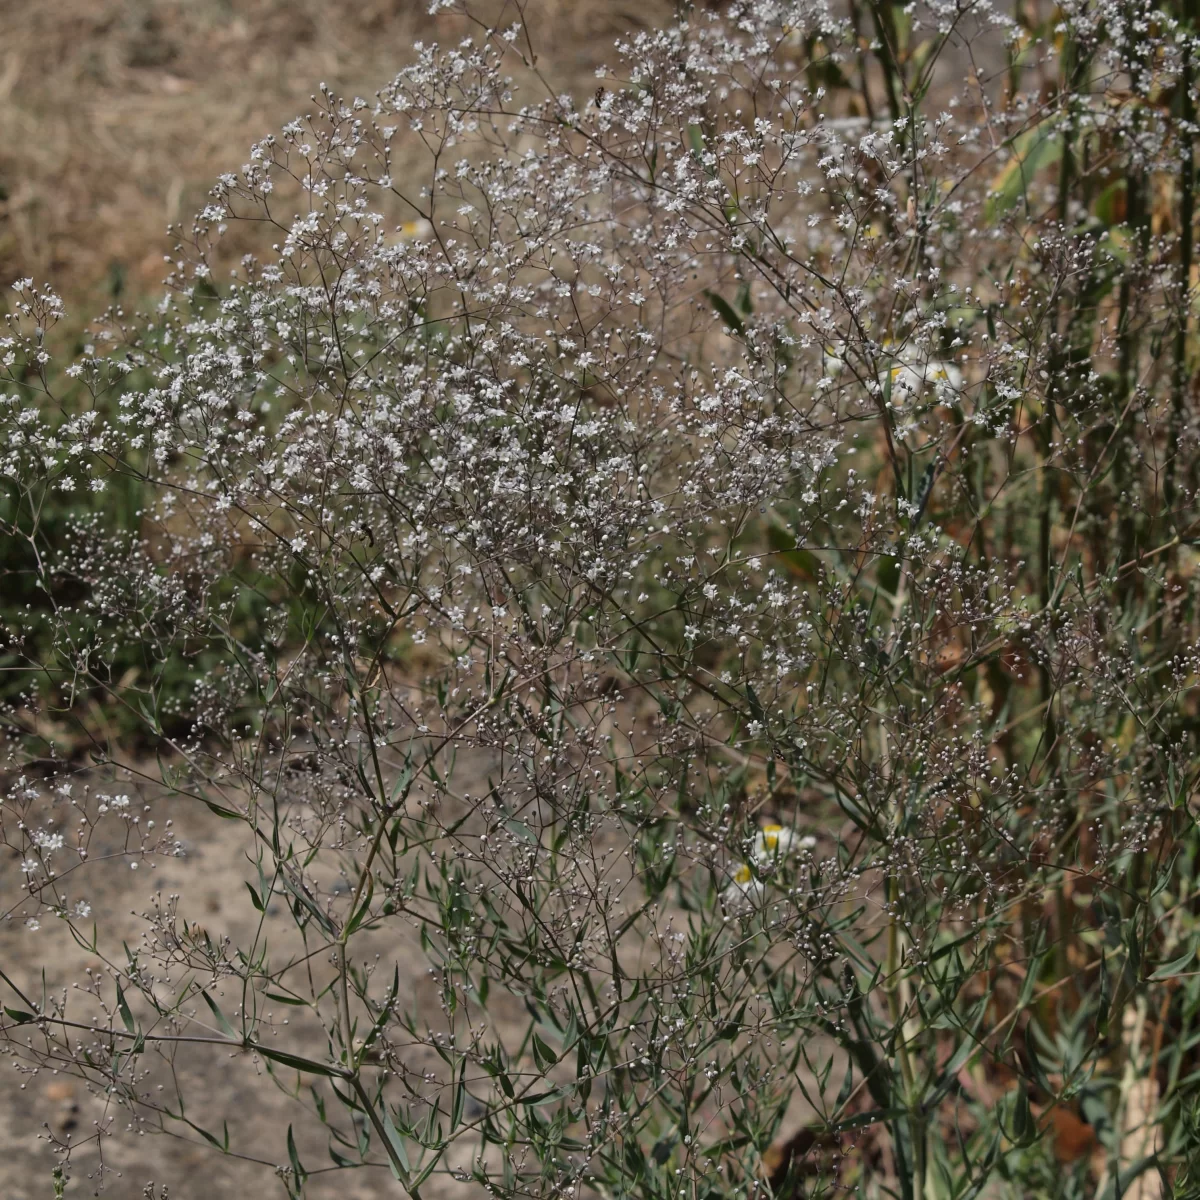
911, 374
416, 230
770, 844
743, 887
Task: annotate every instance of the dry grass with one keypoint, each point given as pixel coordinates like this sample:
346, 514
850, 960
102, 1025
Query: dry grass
116, 115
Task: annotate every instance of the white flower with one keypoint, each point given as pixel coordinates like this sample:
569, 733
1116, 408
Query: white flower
911, 374
743, 888
833, 359
771, 842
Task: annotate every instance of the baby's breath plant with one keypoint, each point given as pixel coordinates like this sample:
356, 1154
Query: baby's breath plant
707, 566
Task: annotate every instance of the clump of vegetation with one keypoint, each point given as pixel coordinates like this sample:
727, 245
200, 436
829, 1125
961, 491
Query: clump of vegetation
712, 561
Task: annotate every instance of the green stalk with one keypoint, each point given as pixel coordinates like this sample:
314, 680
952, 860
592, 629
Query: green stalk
1127, 345
856, 22
885, 33
896, 990
1183, 275
1056, 368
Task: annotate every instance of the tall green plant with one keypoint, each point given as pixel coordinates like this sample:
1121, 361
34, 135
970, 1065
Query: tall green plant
712, 565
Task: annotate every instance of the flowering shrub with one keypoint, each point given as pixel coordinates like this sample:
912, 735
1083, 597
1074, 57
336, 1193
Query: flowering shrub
713, 560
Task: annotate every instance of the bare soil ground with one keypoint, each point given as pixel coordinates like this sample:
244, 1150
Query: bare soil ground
116, 116
38, 1108
33, 1107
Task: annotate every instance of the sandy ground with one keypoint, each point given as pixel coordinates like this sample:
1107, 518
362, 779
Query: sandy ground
116, 116
221, 1087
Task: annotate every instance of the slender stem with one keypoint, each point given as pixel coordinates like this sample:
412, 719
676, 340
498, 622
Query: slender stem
896, 987
1183, 277
380, 1131
885, 34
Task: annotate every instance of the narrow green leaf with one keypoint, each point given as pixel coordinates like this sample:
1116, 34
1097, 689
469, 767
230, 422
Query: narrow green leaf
402, 1170
225, 813
725, 311
211, 1138
282, 999
304, 1065
542, 1054
294, 1158
123, 1009
364, 907
220, 1018
1175, 967
847, 1088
